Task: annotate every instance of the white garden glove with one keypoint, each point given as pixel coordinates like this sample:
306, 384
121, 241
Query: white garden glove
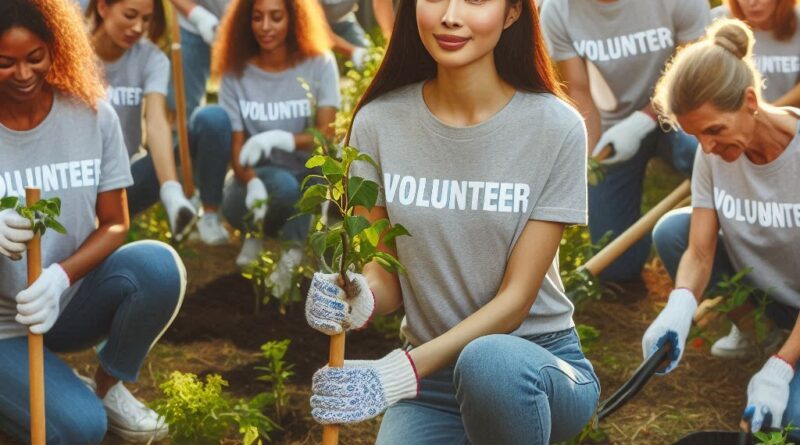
329, 311
15, 231
362, 389
260, 146
625, 136
358, 57
768, 393
672, 325
256, 191
180, 212
205, 22
38, 305
280, 280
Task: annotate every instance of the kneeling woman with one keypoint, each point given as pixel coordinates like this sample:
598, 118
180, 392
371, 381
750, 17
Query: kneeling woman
57, 134
744, 206
484, 164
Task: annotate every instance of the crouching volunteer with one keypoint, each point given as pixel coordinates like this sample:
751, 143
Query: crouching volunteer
485, 175
57, 134
745, 210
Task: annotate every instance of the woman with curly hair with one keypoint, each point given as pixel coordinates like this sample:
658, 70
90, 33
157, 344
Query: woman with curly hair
138, 74
57, 134
266, 50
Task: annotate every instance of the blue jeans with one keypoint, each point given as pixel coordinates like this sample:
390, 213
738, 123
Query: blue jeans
196, 57
502, 390
615, 203
349, 29
671, 238
129, 300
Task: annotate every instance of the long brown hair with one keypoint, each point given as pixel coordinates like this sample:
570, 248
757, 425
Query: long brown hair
58, 23
157, 27
785, 19
520, 56
236, 43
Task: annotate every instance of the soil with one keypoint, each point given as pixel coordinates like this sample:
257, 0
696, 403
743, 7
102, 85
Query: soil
219, 331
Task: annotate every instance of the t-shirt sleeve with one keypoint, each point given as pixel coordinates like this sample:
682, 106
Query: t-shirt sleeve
328, 91
157, 72
563, 198
364, 140
115, 169
719, 12
555, 31
691, 19
702, 182
229, 101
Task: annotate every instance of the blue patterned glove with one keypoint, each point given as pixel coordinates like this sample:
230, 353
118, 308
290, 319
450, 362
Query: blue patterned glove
768, 393
327, 309
362, 389
672, 324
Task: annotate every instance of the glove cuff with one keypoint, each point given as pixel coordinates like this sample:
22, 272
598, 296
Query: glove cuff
169, 189
779, 369
60, 275
643, 121
398, 376
683, 301
198, 14
287, 140
255, 182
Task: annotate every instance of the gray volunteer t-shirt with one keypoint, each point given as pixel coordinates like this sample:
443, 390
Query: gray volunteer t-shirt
778, 61
758, 207
259, 101
216, 7
74, 154
466, 194
142, 70
335, 10
625, 44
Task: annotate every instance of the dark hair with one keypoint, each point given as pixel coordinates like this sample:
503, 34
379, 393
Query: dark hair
520, 56
784, 16
236, 44
157, 27
58, 23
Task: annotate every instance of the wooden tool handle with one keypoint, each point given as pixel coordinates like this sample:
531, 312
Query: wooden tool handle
606, 152
330, 433
180, 106
35, 344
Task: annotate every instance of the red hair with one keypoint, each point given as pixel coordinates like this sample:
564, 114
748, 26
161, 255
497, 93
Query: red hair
784, 17
236, 43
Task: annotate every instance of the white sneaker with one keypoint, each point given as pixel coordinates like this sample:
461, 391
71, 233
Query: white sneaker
130, 419
211, 231
281, 277
251, 248
736, 344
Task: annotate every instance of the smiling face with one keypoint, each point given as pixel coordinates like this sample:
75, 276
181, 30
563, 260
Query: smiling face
759, 13
457, 33
270, 24
125, 21
24, 63
726, 134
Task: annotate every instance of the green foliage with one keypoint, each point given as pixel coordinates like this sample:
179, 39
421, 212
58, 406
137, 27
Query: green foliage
43, 215
596, 172
575, 250
592, 433
353, 85
775, 437
388, 325
589, 335
736, 292
150, 224
258, 273
200, 413
276, 372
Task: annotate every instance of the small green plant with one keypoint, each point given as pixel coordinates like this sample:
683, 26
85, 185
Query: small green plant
589, 336
276, 372
200, 413
775, 437
259, 271
42, 215
150, 224
736, 292
575, 250
353, 85
592, 433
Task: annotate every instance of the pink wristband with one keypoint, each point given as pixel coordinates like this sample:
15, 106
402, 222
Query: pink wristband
777, 356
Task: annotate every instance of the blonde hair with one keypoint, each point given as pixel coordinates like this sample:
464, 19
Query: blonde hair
717, 69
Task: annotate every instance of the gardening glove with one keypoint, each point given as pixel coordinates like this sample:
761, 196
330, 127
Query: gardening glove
280, 280
260, 146
672, 325
180, 212
329, 311
256, 191
38, 305
768, 393
205, 22
362, 389
15, 231
358, 57
625, 136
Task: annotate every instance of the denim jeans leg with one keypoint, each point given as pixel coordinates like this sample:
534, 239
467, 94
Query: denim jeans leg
679, 149
349, 29
130, 300
792, 413
74, 414
196, 58
145, 189
210, 145
514, 390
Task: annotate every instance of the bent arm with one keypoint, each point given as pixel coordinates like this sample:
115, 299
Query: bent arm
112, 215
573, 71
694, 270
159, 137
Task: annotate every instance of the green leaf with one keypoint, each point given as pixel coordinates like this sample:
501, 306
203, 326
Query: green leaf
51, 223
389, 262
367, 158
317, 242
394, 232
373, 234
315, 161
312, 197
355, 224
362, 192
332, 170
308, 178
9, 202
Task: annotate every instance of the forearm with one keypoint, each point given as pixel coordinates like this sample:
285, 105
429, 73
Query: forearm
588, 109
385, 288
303, 141
790, 99
384, 14
243, 174
694, 271
159, 143
340, 45
790, 350
183, 6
